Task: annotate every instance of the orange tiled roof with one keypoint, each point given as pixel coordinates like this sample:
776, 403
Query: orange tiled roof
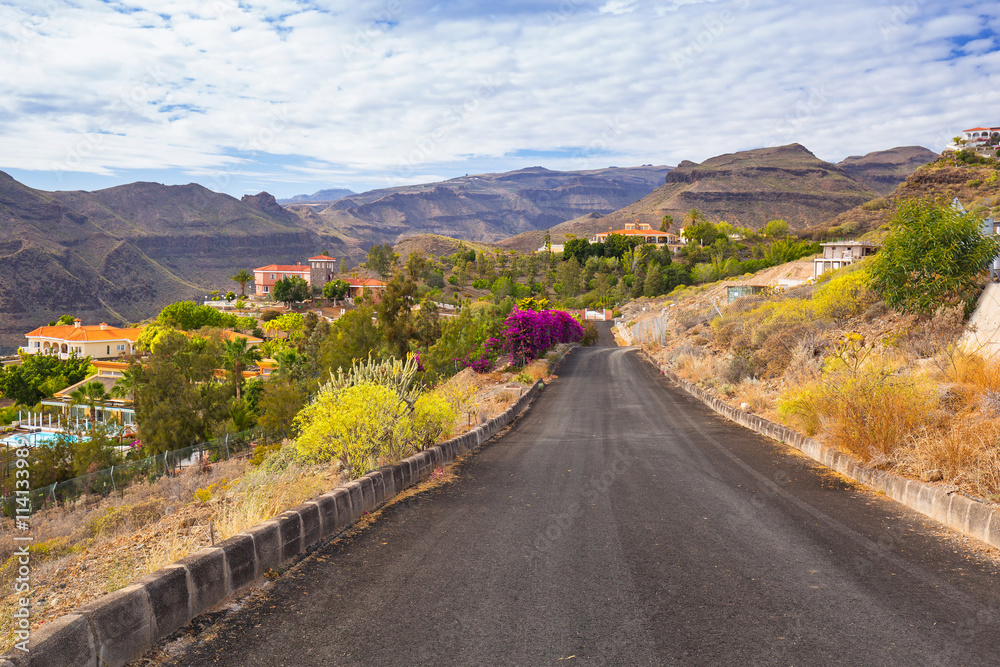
286, 268
365, 282
233, 335
978, 129
323, 257
85, 334
638, 232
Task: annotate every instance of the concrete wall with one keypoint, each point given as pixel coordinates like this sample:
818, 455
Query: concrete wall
121, 626
954, 510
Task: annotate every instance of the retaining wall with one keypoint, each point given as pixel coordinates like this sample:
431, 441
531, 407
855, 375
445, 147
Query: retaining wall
957, 511
121, 626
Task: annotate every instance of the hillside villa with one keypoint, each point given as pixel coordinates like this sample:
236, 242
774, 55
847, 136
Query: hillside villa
644, 233
980, 139
321, 270
96, 341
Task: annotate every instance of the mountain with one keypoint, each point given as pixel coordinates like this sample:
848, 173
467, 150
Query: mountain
748, 188
483, 208
883, 171
332, 194
120, 254
976, 186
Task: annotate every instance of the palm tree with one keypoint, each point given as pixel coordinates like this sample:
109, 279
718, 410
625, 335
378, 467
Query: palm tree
241, 278
127, 385
91, 394
237, 356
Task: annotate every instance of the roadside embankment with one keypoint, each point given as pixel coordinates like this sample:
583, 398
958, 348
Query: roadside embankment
951, 508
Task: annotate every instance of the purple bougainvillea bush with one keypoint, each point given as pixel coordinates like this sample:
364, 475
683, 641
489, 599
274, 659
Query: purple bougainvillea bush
528, 334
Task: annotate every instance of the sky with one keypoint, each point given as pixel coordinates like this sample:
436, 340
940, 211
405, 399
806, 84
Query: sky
294, 96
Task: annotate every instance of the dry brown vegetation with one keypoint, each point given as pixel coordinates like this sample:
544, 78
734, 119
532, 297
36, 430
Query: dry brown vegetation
896, 391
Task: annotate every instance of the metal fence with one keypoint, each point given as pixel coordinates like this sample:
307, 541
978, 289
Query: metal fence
116, 478
650, 330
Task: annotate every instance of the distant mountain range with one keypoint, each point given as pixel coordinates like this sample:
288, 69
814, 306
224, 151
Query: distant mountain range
484, 208
120, 254
332, 194
750, 188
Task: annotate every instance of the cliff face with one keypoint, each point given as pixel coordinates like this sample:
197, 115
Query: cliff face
119, 255
883, 171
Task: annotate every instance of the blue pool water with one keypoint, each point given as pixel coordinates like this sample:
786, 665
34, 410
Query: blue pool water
33, 439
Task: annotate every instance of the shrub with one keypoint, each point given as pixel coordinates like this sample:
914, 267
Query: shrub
932, 256
867, 409
590, 334
433, 418
354, 425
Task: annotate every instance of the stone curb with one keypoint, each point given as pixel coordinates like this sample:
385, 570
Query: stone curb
121, 626
954, 510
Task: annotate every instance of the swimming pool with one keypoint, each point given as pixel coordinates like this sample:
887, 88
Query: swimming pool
35, 439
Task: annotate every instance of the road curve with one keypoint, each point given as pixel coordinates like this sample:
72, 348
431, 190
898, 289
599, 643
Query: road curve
620, 522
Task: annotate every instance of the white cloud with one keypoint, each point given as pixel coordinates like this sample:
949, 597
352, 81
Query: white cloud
392, 91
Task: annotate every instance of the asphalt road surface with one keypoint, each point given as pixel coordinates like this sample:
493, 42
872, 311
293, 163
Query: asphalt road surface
620, 522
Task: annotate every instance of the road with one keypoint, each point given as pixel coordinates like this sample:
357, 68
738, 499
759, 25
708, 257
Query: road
620, 522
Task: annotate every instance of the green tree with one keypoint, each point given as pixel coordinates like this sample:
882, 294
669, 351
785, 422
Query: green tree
336, 289
178, 401
241, 278
52, 461
653, 285
701, 232
416, 264
191, 316
395, 315
775, 229
237, 355
38, 376
290, 289
381, 258
666, 223
280, 400
933, 256
568, 280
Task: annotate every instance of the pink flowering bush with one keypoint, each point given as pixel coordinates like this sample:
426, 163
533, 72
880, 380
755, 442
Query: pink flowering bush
528, 334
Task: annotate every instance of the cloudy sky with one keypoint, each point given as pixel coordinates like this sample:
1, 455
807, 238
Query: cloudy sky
292, 96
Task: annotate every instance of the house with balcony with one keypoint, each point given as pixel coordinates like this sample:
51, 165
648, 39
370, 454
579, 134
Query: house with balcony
841, 253
645, 234
100, 341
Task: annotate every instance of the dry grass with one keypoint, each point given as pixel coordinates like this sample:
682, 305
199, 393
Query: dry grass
695, 368
755, 394
966, 453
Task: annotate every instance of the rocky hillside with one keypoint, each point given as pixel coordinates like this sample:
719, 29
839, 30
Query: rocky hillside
118, 255
482, 208
977, 187
750, 188
883, 171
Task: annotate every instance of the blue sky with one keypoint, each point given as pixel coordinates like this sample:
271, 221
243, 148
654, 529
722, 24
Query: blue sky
292, 97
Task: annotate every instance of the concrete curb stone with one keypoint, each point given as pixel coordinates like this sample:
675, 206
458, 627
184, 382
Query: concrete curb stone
122, 622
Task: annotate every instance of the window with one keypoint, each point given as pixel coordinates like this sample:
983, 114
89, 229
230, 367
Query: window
266, 288
121, 348
272, 276
109, 349
36, 343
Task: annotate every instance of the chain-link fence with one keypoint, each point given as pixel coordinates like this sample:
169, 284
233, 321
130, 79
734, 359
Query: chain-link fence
116, 478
